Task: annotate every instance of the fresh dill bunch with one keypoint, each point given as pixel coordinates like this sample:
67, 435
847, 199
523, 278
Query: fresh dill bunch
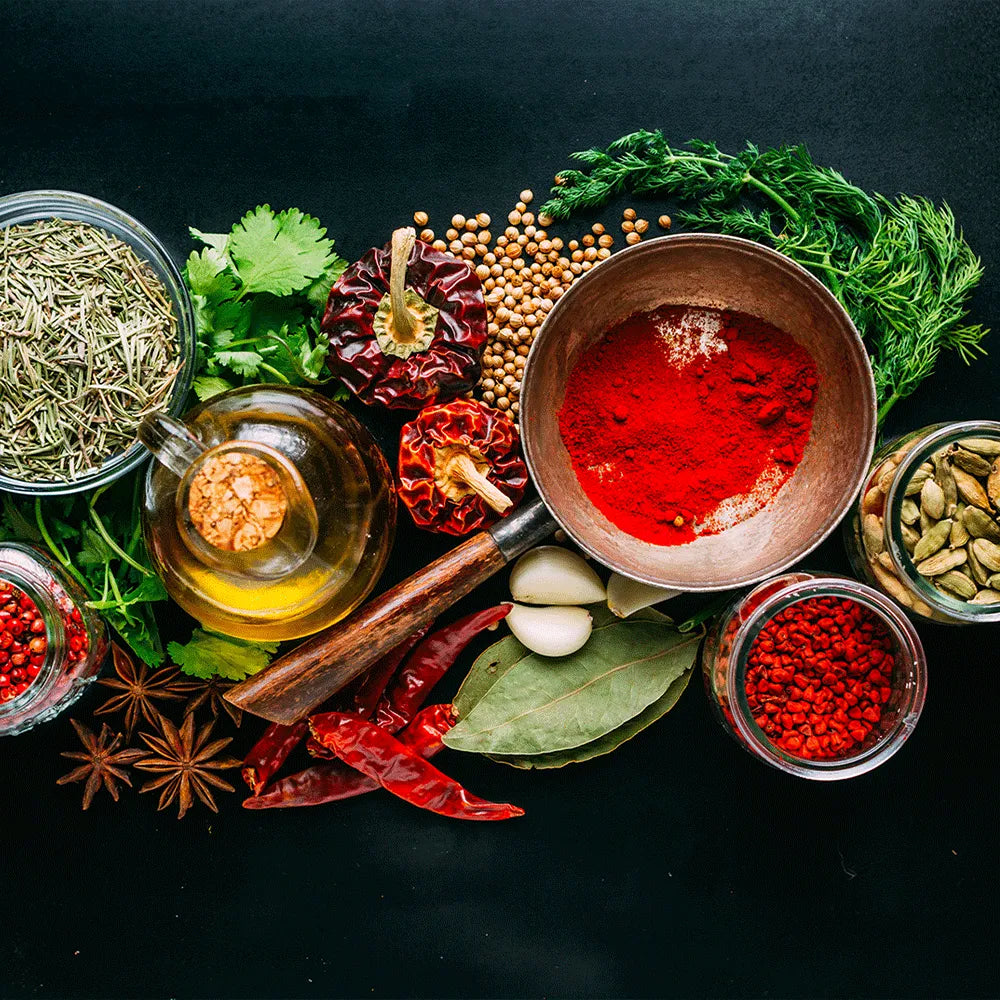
900, 267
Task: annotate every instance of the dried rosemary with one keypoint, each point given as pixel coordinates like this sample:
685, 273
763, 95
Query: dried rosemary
88, 346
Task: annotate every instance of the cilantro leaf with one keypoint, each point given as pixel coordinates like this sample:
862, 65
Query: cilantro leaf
205, 273
207, 386
217, 241
280, 253
245, 363
319, 291
209, 654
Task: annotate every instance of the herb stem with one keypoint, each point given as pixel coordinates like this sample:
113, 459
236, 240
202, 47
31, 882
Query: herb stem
57, 550
748, 178
109, 541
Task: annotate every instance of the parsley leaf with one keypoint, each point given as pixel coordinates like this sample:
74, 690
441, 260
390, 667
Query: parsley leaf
209, 654
281, 253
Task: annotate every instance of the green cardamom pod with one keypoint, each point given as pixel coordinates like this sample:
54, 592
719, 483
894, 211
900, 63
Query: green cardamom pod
989, 447
959, 533
942, 561
932, 499
933, 540
986, 597
993, 484
944, 475
988, 553
980, 525
909, 536
958, 583
909, 512
970, 462
979, 572
971, 489
917, 480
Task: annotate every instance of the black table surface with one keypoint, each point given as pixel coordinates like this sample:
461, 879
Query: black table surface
678, 865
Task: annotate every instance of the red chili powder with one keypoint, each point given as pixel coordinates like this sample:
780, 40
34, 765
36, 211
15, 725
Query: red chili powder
684, 421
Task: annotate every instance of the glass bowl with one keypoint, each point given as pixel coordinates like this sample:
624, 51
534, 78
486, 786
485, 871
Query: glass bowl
30, 206
728, 645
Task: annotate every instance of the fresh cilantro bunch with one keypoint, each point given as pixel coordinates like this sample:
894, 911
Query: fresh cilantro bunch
99, 543
259, 293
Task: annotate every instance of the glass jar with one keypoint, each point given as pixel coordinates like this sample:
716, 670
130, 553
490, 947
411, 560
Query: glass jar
882, 557
35, 588
724, 663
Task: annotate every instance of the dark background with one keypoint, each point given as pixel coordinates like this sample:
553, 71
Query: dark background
679, 865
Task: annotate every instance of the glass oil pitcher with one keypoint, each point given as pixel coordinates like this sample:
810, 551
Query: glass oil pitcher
269, 513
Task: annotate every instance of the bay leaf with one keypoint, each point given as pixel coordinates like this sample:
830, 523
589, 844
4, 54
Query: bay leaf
489, 667
610, 741
495, 661
539, 705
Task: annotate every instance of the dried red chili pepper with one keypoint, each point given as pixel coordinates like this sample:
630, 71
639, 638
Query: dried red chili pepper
366, 696
406, 325
460, 466
398, 769
270, 752
428, 664
329, 782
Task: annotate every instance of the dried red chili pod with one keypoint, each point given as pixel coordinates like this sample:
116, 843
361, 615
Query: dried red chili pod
270, 752
406, 325
331, 781
460, 466
401, 770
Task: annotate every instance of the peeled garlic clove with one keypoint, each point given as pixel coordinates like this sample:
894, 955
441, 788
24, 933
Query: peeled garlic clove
552, 631
627, 596
550, 574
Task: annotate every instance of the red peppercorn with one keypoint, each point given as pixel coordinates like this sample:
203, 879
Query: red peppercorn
24, 641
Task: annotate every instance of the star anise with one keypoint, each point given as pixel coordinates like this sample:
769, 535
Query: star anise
102, 762
183, 761
212, 692
139, 688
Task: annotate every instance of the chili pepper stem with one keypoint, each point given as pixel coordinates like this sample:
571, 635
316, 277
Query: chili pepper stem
460, 466
404, 329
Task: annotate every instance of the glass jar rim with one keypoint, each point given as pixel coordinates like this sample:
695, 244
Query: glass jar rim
907, 643
55, 632
25, 206
941, 435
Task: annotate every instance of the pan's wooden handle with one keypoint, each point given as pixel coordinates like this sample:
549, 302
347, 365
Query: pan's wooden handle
302, 679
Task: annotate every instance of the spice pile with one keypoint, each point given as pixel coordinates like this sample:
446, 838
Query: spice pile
88, 346
683, 422
819, 677
524, 272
